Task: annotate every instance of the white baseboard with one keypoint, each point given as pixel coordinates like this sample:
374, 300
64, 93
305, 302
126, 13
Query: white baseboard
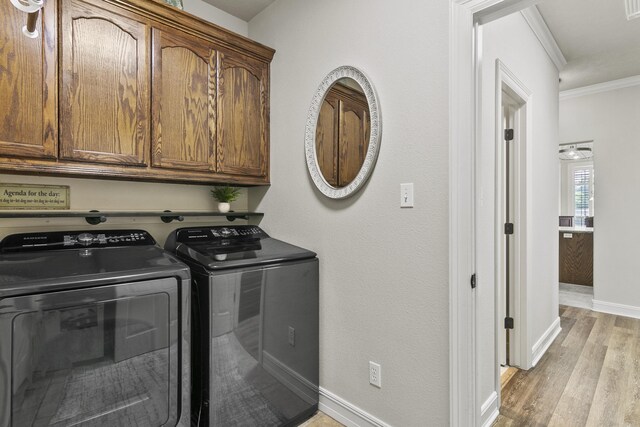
346, 413
618, 309
545, 341
489, 410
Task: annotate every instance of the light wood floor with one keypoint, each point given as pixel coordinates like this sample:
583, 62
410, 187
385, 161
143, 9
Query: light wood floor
590, 376
321, 420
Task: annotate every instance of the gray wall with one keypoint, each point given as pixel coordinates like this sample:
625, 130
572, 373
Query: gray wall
212, 14
383, 270
611, 119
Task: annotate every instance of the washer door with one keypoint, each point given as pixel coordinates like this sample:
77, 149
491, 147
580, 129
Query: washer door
98, 356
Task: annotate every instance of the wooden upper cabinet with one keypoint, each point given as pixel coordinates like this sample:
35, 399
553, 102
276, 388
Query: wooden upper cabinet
28, 85
183, 102
132, 89
105, 86
243, 115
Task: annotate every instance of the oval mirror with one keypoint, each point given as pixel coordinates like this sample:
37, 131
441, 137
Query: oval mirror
342, 137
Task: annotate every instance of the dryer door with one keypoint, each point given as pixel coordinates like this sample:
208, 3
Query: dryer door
99, 356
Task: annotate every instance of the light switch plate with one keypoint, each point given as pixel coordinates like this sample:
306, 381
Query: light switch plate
406, 195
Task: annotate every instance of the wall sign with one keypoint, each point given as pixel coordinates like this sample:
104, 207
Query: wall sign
32, 196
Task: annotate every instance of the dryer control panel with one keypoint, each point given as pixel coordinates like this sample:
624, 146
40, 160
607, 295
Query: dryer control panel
74, 240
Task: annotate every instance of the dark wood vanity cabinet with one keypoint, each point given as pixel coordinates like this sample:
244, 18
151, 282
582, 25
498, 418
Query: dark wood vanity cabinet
576, 257
342, 134
146, 91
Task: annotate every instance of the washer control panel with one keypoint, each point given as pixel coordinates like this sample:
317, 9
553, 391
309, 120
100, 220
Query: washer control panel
75, 240
220, 233
224, 232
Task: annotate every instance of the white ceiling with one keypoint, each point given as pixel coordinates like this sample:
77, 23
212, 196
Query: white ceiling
597, 40
243, 9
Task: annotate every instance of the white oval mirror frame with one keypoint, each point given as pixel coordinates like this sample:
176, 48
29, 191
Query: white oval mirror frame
374, 138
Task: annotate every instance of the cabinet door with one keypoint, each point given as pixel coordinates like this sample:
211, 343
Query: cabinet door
354, 139
183, 102
243, 115
327, 139
105, 79
28, 88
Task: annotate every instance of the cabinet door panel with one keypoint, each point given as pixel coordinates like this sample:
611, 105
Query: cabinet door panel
354, 140
104, 87
28, 88
242, 115
183, 102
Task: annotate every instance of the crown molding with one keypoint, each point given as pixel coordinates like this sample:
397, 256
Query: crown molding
541, 30
600, 87
485, 11
632, 7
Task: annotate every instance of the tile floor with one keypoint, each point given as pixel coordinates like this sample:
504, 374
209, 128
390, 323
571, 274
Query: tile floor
576, 295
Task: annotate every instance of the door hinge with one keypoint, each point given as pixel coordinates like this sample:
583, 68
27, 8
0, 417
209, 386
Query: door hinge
508, 228
508, 134
508, 322
473, 281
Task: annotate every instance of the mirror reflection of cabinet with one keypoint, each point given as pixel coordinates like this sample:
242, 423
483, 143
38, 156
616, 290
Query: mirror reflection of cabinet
342, 133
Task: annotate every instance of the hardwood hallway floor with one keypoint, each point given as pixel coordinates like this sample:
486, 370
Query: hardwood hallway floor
590, 376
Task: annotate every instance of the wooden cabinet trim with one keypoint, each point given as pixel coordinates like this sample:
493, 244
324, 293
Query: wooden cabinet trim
106, 171
170, 16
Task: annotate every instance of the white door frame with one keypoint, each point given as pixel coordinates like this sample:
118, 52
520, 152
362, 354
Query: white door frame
523, 152
463, 133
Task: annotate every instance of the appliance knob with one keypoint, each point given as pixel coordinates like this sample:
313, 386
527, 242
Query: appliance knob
85, 239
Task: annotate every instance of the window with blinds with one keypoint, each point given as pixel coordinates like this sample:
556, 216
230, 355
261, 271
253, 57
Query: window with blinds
583, 195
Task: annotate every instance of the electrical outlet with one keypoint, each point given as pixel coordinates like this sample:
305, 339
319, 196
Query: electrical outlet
292, 336
375, 374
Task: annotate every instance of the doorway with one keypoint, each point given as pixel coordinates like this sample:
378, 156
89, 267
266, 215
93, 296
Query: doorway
468, 404
511, 227
508, 282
